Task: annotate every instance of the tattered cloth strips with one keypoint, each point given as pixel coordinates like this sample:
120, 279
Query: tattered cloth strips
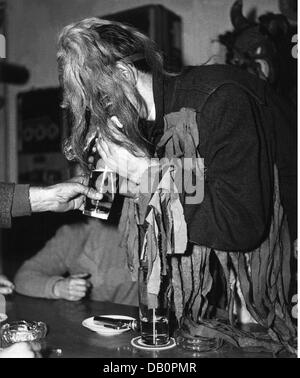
166, 233
166, 230
263, 277
213, 333
165, 221
192, 281
128, 228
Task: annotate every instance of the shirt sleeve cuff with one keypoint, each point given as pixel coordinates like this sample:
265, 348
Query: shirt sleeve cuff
49, 288
21, 202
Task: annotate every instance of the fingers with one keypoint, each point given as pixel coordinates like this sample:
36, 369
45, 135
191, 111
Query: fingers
5, 282
64, 197
6, 287
5, 290
74, 282
93, 194
76, 295
83, 275
82, 179
74, 298
89, 192
72, 289
77, 289
78, 203
19, 350
76, 186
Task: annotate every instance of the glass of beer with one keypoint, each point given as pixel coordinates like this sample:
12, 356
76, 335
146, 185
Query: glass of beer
104, 181
154, 311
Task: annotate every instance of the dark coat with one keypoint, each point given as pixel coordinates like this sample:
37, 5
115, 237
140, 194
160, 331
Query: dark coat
14, 202
243, 133
6, 199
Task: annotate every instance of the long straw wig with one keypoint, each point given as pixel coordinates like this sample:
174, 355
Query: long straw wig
94, 88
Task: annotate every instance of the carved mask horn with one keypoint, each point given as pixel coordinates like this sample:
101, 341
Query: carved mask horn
238, 20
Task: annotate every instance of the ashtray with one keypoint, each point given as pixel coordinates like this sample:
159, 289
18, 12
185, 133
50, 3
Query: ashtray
22, 331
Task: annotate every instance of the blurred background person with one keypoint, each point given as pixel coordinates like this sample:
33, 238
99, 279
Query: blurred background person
81, 259
21, 200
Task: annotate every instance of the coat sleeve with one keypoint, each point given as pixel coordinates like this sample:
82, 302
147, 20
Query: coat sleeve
235, 212
14, 202
285, 120
6, 200
21, 202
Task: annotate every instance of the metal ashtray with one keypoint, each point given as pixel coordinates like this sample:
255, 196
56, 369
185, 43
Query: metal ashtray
22, 330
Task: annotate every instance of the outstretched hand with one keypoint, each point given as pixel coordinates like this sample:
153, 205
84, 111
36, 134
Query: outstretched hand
62, 197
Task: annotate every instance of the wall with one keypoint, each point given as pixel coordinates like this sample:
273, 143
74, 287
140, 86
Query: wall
33, 26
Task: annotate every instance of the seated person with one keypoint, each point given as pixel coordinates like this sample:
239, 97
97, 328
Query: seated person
91, 247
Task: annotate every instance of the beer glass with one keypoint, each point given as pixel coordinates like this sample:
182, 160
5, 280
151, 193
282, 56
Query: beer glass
154, 312
104, 181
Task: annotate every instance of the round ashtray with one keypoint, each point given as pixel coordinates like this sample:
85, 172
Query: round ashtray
22, 331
